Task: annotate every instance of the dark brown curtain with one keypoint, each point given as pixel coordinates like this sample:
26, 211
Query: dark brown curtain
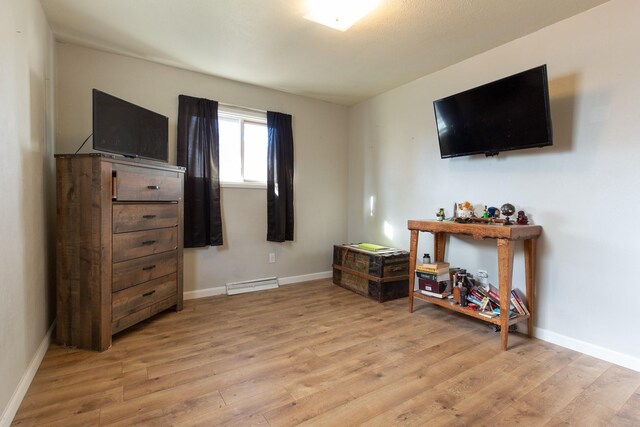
279, 178
198, 151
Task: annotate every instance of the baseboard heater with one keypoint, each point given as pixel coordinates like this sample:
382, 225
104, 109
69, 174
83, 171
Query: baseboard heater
252, 285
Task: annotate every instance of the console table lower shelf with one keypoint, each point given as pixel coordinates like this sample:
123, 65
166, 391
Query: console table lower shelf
505, 237
465, 310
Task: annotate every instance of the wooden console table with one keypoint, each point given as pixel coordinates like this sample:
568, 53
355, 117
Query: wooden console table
505, 237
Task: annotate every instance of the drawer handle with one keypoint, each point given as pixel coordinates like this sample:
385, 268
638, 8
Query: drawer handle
148, 242
151, 267
153, 187
148, 216
147, 294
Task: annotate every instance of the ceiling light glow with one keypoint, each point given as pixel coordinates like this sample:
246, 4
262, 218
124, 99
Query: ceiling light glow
339, 14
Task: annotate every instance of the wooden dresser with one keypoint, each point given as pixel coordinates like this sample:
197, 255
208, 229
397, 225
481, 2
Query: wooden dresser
119, 245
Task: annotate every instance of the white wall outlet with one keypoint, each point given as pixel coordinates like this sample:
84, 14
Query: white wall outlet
272, 258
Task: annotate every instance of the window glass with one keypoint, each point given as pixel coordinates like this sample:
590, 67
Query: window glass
230, 149
255, 152
243, 146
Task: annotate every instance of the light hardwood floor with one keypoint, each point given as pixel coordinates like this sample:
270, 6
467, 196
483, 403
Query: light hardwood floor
316, 354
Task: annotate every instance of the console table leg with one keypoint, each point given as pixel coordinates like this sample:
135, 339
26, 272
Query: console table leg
530, 279
413, 250
505, 273
438, 246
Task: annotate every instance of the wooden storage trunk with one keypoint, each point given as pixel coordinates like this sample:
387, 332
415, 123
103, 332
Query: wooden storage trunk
381, 276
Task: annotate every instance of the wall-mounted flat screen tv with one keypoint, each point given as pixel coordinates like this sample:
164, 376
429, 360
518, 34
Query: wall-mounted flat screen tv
508, 114
121, 127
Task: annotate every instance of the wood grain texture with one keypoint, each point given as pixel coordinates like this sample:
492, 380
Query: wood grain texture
83, 221
478, 231
143, 243
506, 248
143, 216
142, 312
150, 185
413, 255
88, 209
381, 276
103, 205
445, 302
439, 245
138, 270
316, 354
530, 279
132, 299
505, 237
180, 250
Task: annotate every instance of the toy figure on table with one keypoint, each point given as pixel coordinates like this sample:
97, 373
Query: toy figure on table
493, 212
465, 210
522, 218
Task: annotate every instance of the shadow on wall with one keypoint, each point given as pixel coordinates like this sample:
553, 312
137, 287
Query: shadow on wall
579, 117
562, 97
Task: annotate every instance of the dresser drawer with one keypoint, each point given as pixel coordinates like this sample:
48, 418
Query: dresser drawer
135, 184
142, 243
139, 270
144, 216
133, 299
142, 314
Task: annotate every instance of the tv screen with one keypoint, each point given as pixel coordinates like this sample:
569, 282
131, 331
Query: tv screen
124, 128
508, 114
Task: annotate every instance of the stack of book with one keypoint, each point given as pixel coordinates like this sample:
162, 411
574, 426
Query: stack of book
518, 304
433, 279
488, 301
486, 298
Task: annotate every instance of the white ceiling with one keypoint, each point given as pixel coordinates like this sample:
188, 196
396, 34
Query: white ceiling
268, 43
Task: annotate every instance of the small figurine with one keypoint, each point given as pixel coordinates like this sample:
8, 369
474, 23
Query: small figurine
465, 210
522, 218
485, 213
493, 212
466, 205
483, 278
440, 214
507, 210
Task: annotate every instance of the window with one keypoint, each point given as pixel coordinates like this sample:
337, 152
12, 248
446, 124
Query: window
243, 147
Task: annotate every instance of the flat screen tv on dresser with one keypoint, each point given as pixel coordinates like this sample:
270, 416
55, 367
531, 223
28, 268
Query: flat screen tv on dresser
121, 127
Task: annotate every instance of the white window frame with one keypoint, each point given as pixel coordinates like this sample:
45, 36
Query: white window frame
244, 115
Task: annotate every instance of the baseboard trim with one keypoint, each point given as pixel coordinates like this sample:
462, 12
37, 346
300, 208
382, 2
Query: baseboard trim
14, 403
203, 293
305, 278
589, 349
222, 290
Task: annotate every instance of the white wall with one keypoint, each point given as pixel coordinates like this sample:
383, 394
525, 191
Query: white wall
320, 149
583, 190
28, 212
